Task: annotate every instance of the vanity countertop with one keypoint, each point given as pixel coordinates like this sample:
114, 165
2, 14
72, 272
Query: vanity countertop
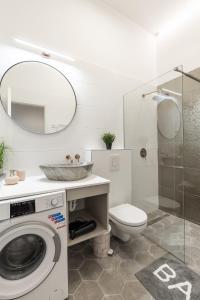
40, 184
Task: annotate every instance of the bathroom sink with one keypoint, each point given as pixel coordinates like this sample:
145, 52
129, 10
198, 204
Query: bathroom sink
67, 172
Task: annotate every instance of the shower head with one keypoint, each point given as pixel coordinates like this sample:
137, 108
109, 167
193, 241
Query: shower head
161, 97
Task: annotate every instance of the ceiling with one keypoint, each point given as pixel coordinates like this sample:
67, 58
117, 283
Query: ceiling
152, 15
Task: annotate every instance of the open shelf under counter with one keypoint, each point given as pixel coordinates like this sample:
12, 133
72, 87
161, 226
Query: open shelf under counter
84, 214
92, 204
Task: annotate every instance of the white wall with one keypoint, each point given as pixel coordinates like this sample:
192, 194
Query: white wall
87, 30
179, 45
140, 125
120, 177
99, 94
112, 56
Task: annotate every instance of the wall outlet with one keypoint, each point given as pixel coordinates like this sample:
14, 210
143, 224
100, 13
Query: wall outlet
115, 162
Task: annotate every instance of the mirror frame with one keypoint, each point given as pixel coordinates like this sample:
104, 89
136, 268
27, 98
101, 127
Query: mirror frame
35, 61
177, 106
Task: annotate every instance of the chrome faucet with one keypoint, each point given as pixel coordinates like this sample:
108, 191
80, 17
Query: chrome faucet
70, 159
77, 157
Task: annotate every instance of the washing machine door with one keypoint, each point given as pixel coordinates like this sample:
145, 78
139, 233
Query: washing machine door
28, 253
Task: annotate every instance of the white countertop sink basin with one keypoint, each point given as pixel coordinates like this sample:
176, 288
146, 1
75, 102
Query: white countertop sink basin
67, 172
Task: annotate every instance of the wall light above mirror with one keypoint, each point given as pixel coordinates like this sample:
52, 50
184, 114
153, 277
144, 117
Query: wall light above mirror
38, 97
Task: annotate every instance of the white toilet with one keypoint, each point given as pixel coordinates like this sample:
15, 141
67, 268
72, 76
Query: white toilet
127, 220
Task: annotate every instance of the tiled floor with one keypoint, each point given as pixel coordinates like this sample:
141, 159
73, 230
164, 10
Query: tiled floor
178, 236
169, 232
110, 278
113, 278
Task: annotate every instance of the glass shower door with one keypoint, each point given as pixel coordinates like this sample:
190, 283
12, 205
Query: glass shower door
191, 119
153, 120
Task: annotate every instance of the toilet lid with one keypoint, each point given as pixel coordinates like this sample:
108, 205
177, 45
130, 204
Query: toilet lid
129, 215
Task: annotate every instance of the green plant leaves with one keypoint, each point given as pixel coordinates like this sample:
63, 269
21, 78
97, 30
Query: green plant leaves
2, 154
108, 138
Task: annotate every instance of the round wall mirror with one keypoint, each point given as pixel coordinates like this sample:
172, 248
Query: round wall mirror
169, 118
38, 97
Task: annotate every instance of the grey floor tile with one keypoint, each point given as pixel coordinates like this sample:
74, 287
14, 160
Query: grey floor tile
111, 282
74, 280
128, 268
134, 290
113, 297
88, 290
75, 259
78, 247
156, 251
126, 252
90, 270
113, 278
144, 258
88, 252
110, 262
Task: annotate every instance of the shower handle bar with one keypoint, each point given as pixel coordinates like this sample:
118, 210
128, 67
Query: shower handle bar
144, 95
187, 74
179, 71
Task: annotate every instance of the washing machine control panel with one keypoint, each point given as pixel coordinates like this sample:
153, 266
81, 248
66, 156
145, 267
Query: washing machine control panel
51, 201
18, 209
14, 208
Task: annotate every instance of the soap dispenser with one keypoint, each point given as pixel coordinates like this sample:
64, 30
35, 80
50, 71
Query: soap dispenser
12, 178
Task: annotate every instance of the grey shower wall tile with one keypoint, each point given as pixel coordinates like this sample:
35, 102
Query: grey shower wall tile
191, 113
179, 154
179, 179
172, 203
192, 153
166, 149
192, 181
166, 176
167, 192
171, 177
179, 197
191, 132
171, 187
179, 191
164, 204
170, 153
192, 207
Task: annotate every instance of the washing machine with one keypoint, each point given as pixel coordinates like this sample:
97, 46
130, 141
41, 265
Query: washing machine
33, 248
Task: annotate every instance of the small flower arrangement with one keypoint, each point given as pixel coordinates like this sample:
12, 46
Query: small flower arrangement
108, 138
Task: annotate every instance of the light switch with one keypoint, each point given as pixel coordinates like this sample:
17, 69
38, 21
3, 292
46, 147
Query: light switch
114, 162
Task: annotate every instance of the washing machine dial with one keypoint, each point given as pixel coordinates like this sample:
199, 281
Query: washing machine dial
54, 202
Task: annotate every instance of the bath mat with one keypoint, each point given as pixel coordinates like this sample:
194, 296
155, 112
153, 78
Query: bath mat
167, 278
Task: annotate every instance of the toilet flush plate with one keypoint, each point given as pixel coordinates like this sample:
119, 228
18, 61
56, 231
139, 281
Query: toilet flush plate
115, 162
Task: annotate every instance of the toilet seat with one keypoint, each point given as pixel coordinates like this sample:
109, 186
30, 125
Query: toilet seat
128, 215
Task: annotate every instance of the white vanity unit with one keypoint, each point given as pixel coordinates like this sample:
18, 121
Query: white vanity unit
28, 212
91, 191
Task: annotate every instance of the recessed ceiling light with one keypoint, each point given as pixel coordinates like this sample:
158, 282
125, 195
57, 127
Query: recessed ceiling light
43, 50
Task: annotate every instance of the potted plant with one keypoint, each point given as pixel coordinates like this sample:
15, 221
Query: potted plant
2, 156
108, 139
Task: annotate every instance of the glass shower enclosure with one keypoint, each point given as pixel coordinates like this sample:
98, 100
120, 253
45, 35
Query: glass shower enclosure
153, 130
162, 128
